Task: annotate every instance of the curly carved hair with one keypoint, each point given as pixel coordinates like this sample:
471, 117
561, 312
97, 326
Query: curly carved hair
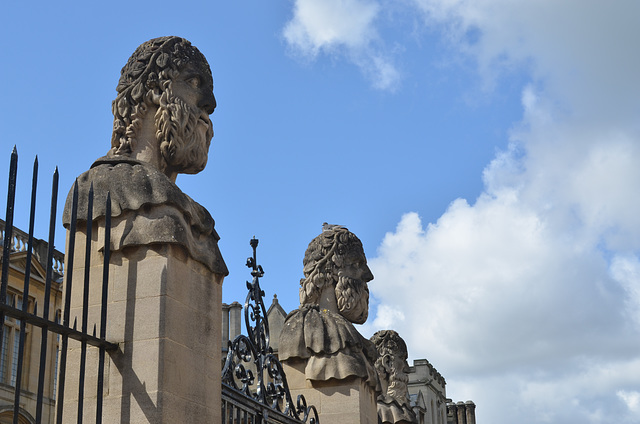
323, 258
143, 80
389, 342
390, 345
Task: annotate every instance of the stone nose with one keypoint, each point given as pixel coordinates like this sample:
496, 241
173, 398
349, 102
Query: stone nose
367, 275
208, 102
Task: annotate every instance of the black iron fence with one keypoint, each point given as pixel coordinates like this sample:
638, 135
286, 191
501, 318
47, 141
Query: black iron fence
247, 398
28, 315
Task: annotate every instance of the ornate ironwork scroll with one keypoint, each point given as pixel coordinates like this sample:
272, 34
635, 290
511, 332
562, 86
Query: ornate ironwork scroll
252, 353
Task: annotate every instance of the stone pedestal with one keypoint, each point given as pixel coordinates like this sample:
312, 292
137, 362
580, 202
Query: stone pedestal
348, 401
164, 311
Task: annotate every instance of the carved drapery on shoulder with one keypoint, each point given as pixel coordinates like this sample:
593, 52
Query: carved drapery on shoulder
147, 209
393, 413
331, 345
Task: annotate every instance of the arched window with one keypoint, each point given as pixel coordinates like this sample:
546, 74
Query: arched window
6, 416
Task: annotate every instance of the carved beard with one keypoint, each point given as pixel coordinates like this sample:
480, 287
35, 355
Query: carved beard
398, 386
353, 299
184, 134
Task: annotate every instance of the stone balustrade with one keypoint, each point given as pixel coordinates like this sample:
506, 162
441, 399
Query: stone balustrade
19, 241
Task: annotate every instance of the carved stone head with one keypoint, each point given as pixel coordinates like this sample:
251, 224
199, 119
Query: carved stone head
170, 78
336, 259
392, 365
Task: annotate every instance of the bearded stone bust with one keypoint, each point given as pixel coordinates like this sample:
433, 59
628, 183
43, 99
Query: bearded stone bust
333, 296
161, 128
394, 404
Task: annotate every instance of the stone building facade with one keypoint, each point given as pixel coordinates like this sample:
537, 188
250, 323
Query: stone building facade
11, 331
428, 393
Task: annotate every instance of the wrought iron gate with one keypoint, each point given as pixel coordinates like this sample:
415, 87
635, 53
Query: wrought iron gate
265, 396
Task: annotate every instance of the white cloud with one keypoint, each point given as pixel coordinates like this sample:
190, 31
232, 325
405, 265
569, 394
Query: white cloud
631, 399
497, 279
517, 318
346, 28
586, 394
380, 71
626, 270
528, 299
386, 317
582, 51
327, 24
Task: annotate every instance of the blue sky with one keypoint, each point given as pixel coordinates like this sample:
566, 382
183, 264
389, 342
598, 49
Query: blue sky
485, 153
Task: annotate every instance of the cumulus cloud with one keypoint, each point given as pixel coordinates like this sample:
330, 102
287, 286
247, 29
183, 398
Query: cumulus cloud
320, 25
346, 28
527, 299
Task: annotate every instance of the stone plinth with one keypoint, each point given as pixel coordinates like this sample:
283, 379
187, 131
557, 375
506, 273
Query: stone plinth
164, 310
348, 401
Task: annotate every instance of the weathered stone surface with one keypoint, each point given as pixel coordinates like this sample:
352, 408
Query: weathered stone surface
161, 128
333, 296
275, 316
330, 343
348, 401
147, 208
163, 312
394, 404
166, 271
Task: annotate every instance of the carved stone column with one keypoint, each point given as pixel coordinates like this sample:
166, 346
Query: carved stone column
462, 415
452, 413
471, 412
235, 320
225, 325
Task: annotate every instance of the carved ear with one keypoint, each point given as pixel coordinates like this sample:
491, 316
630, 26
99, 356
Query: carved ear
386, 363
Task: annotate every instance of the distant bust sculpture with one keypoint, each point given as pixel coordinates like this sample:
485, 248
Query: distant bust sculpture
161, 128
394, 404
333, 296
